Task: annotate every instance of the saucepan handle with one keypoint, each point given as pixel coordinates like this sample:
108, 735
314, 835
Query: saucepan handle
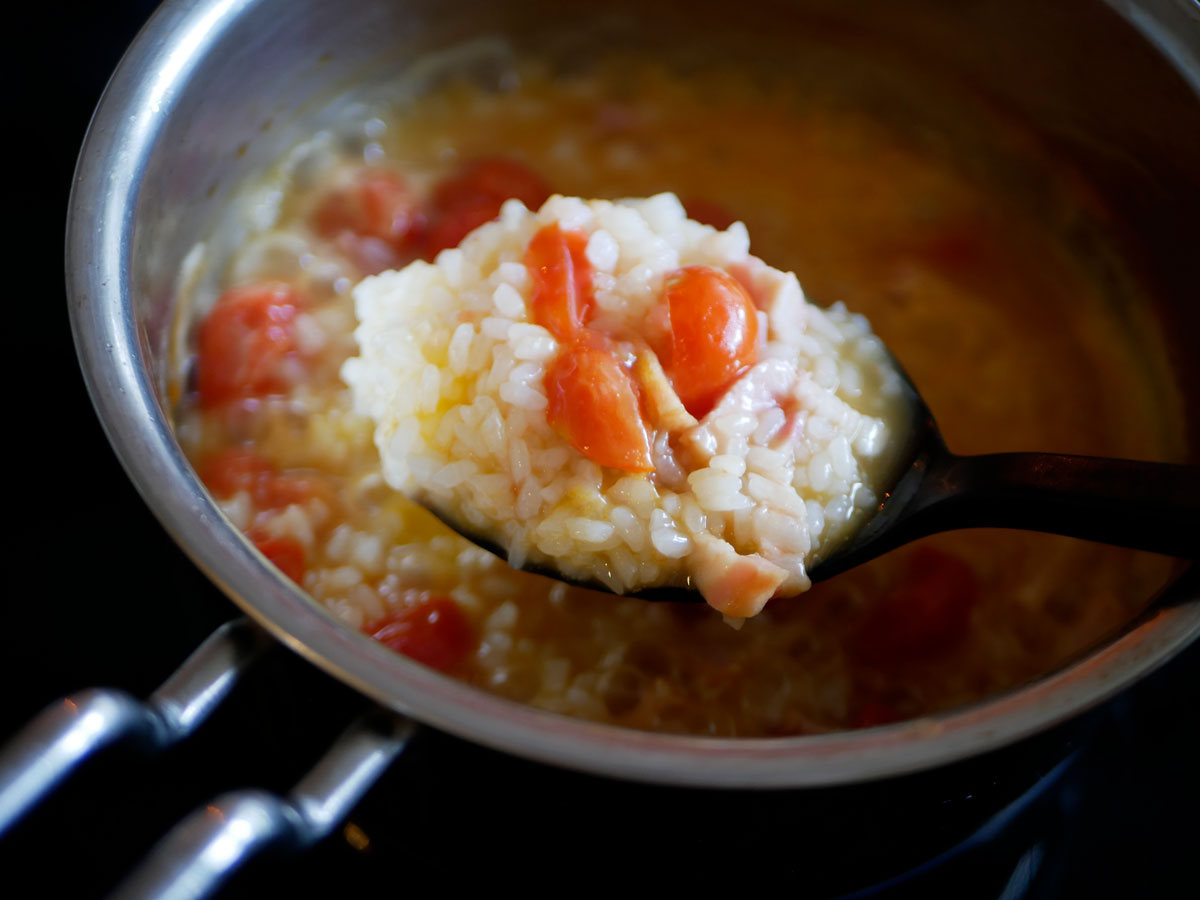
208, 846
66, 733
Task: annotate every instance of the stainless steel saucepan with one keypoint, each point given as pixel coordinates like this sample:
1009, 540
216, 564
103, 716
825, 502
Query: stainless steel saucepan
213, 90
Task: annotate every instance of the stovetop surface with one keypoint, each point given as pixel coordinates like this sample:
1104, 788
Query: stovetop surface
112, 601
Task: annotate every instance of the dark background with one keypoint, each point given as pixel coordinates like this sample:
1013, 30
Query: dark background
97, 594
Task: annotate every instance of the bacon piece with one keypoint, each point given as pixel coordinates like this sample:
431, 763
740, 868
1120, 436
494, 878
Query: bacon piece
779, 295
767, 384
732, 583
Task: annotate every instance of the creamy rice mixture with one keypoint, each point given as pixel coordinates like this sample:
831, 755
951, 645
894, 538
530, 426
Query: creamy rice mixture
1009, 336
454, 368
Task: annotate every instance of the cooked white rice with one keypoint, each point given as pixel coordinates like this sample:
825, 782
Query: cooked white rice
787, 464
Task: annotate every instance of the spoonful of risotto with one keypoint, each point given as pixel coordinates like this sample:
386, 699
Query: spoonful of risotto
615, 395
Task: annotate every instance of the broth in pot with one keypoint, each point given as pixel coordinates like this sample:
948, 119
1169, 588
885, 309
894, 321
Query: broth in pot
941, 220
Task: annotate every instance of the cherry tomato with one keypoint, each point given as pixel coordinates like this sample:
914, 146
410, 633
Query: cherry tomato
474, 194
925, 615
434, 631
708, 213
244, 342
451, 227
711, 335
494, 179
594, 405
562, 280
376, 204
287, 488
285, 553
236, 469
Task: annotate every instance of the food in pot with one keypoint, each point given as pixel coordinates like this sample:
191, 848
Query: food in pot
955, 236
628, 397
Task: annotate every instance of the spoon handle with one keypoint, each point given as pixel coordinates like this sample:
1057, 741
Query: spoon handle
1148, 506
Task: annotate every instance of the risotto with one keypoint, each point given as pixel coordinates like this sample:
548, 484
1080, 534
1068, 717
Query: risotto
959, 259
627, 396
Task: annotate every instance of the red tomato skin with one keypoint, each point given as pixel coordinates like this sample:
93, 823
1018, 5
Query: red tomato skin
376, 204
451, 227
236, 469
243, 343
563, 294
285, 553
287, 488
711, 335
433, 631
708, 213
494, 179
473, 195
594, 405
924, 616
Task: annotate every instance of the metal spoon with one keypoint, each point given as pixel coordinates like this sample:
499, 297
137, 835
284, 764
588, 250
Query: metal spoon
1126, 503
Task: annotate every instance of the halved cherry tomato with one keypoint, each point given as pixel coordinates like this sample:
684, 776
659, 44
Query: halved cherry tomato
375, 204
925, 615
287, 554
563, 295
708, 213
244, 342
491, 178
711, 335
287, 488
594, 405
474, 194
236, 469
452, 226
434, 631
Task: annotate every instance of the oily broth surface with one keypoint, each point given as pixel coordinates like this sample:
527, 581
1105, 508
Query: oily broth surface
1005, 333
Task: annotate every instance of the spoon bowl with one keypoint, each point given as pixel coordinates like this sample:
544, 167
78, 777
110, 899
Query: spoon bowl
1152, 506
1127, 503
